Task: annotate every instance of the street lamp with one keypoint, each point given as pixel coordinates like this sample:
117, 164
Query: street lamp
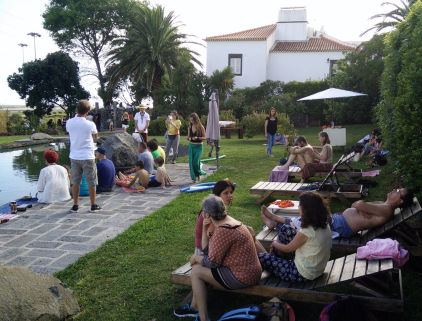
34, 34
23, 45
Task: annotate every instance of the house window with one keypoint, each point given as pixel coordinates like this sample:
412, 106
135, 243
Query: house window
333, 67
235, 61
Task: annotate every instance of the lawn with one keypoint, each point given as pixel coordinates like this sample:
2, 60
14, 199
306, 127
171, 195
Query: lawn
128, 278
11, 139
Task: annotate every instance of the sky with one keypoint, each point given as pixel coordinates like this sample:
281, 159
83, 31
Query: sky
342, 19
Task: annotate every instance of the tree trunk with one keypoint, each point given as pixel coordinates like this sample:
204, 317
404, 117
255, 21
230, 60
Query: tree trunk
100, 78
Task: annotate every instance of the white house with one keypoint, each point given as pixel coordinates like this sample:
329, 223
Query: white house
287, 50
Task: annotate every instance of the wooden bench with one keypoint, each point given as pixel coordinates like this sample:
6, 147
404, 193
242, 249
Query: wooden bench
296, 171
267, 236
373, 277
227, 131
267, 189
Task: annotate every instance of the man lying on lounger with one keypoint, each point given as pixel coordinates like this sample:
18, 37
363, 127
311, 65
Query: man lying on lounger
361, 216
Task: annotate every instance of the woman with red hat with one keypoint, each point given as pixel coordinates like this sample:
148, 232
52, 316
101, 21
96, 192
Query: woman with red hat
53, 183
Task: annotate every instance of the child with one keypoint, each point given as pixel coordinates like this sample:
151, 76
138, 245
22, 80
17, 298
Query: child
311, 243
139, 181
161, 178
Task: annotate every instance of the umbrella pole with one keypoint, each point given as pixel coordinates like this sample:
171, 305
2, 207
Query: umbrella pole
217, 152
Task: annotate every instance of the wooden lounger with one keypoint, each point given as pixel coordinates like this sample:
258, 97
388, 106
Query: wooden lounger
296, 171
266, 189
373, 277
267, 236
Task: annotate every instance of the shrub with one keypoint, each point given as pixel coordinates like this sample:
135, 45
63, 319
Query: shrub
254, 124
157, 127
131, 128
228, 115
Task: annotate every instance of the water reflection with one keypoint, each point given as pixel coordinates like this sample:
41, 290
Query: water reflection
20, 169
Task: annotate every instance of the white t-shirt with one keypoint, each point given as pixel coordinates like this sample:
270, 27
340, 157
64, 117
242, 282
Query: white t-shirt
142, 121
81, 142
53, 184
312, 257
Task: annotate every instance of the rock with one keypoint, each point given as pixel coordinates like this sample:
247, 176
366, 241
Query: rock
39, 136
26, 296
122, 149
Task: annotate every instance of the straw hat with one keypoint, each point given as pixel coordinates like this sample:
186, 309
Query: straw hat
142, 107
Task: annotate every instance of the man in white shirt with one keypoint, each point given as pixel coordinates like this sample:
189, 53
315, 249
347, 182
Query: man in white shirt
82, 134
53, 183
142, 120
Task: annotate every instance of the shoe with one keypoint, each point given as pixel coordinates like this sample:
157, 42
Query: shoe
95, 208
74, 208
185, 311
173, 162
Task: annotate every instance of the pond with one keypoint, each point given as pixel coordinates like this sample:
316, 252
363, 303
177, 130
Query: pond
20, 169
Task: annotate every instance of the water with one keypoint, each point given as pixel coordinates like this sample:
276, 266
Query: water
20, 169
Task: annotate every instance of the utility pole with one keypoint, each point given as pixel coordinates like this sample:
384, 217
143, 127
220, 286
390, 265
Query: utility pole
34, 34
23, 45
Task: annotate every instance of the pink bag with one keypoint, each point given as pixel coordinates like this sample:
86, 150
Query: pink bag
383, 249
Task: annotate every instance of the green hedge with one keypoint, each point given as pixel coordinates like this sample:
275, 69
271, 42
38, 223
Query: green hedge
400, 113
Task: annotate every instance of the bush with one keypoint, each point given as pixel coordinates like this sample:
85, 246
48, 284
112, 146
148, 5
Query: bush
228, 115
254, 124
157, 127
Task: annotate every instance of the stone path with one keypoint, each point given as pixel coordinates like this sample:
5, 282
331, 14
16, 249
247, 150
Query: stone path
47, 238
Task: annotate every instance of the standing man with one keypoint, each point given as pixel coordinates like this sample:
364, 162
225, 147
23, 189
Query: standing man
142, 120
82, 134
105, 171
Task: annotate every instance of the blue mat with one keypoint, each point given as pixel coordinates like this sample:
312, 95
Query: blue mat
5, 208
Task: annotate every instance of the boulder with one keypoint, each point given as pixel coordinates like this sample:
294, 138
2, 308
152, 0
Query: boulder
26, 296
122, 149
39, 136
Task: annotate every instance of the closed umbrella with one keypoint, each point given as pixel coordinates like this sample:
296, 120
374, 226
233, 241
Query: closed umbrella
212, 133
332, 93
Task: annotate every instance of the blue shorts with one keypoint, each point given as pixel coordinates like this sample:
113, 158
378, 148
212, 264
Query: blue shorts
339, 225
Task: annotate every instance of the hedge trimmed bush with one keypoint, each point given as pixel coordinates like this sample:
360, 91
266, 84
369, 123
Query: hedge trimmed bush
400, 113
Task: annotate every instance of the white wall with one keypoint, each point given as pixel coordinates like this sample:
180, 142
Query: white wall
253, 63
300, 66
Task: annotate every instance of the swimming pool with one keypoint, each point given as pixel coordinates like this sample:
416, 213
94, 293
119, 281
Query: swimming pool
20, 168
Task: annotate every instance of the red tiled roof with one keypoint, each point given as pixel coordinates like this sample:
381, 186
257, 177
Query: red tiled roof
261, 33
312, 45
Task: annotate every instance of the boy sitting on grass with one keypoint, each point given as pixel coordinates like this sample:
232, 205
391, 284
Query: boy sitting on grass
139, 181
162, 178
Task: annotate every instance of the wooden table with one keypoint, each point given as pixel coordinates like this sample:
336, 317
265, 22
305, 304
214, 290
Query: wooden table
227, 131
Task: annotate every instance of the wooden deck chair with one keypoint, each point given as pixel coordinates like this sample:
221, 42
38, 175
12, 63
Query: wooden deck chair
347, 245
373, 277
348, 172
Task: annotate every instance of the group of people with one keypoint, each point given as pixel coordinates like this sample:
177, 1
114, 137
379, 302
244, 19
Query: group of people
228, 256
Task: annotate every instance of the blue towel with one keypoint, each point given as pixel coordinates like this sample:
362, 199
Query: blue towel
5, 208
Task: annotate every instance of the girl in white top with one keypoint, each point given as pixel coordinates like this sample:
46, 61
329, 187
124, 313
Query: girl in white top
53, 183
311, 243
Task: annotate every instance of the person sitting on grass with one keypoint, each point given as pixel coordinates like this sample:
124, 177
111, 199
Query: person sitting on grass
231, 261
139, 181
311, 244
303, 152
325, 159
161, 178
361, 216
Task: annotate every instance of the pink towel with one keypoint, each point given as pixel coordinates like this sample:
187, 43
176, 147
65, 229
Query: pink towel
371, 173
279, 175
383, 249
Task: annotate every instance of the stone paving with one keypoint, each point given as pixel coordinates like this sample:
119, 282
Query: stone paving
47, 238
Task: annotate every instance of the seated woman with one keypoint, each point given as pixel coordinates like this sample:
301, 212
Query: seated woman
231, 263
325, 159
303, 152
311, 244
53, 183
224, 189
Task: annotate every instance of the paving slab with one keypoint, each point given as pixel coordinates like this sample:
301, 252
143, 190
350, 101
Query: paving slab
47, 237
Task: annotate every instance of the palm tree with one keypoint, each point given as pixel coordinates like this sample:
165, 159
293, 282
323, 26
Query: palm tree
223, 82
149, 50
392, 18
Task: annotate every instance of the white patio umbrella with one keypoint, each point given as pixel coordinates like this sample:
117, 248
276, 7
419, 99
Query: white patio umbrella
212, 133
332, 93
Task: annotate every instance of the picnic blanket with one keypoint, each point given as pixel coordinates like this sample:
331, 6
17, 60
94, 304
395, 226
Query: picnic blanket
5, 208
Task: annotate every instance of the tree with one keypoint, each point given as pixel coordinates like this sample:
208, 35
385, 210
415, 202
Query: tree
48, 83
149, 50
87, 27
399, 112
223, 82
392, 18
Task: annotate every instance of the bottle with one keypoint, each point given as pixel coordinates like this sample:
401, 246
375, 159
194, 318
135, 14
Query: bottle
13, 207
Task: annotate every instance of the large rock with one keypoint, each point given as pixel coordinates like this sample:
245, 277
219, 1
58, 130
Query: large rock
26, 296
122, 149
39, 136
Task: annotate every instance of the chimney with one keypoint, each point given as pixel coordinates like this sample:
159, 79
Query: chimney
291, 24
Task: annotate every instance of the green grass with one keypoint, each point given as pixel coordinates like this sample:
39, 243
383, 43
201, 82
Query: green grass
128, 278
11, 139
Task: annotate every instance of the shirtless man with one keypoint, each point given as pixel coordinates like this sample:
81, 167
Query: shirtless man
361, 216
303, 152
